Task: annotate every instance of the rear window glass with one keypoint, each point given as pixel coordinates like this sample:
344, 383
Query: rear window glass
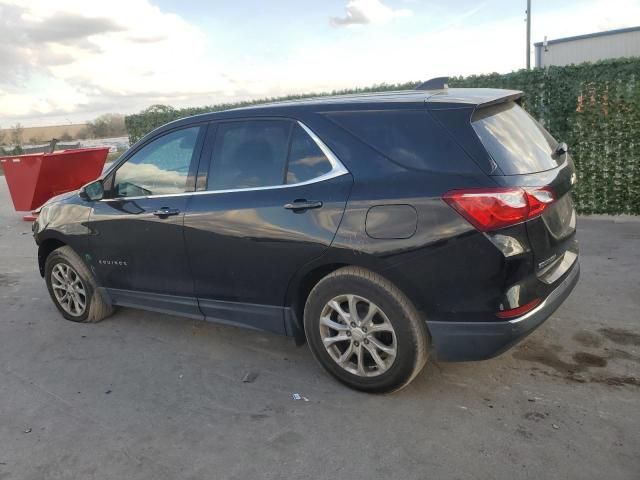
249, 154
306, 160
517, 143
408, 137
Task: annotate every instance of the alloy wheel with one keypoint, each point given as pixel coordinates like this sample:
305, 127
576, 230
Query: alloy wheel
358, 335
68, 289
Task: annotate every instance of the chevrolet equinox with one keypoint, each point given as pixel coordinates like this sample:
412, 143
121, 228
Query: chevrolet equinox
381, 228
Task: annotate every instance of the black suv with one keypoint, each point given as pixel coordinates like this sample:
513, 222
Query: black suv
381, 228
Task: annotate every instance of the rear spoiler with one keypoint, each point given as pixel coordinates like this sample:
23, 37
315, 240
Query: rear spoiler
470, 97
513, 96
480, 97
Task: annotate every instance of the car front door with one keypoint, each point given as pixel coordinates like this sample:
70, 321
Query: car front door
274, 197
137, 242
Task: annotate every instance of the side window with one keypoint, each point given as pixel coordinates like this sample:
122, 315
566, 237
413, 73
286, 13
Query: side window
249, 154
160, 167
408, 137
306, 160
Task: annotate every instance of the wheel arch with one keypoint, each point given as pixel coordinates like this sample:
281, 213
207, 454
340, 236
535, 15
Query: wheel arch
308, 276
44, 250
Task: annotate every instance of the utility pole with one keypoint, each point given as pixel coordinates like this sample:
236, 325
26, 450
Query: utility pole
528, 34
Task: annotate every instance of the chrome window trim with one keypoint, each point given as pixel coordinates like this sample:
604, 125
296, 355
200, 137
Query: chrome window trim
337, 170
335, 163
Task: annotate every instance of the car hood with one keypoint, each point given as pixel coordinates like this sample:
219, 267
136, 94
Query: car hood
61, 197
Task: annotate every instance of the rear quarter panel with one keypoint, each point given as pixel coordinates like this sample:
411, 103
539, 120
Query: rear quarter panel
446, 267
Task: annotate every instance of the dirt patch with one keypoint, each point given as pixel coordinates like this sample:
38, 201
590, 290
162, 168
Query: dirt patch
547, 355
7, 280
588, 339
589, 359
535, 416
621, 336
617, 381
523, 432
616, 353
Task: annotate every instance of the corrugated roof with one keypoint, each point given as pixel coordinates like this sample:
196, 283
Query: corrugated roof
589, 35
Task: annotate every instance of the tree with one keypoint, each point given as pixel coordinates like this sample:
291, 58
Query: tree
159, 108
107, 125
84, 133
65, 137
16, 134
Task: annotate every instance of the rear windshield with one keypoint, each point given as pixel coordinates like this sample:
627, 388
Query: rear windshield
517, 143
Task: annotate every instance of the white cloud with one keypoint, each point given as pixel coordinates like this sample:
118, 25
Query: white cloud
77, 58
118, 54
469, 48
362, 12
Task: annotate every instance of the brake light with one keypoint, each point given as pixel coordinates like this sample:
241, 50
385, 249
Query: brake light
539, 200
521, 310
495, 208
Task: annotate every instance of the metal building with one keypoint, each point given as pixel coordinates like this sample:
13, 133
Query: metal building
624, 42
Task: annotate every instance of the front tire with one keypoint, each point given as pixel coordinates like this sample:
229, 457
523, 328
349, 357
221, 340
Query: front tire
73, 288
364, 331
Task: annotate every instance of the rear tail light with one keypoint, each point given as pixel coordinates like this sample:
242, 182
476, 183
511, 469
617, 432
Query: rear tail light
539, 199
494, 208
516, 312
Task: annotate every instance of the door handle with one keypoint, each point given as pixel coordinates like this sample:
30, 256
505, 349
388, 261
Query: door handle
302, 205
165, 212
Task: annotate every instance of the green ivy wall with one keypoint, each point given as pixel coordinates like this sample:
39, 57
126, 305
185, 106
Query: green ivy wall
593, 107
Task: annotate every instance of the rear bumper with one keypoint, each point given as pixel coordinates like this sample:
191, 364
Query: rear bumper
467, 341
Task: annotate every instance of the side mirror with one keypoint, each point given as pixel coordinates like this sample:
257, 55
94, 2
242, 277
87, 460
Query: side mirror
92, 191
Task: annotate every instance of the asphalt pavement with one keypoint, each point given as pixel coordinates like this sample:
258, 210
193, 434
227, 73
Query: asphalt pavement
148, 396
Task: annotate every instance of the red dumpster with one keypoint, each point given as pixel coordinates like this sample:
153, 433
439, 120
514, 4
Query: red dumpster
35, 178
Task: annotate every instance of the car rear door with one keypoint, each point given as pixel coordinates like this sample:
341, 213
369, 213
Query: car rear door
271, 198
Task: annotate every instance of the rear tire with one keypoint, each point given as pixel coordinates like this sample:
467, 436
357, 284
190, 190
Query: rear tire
73, 288
364, 331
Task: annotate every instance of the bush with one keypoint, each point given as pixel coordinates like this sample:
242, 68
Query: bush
593, 107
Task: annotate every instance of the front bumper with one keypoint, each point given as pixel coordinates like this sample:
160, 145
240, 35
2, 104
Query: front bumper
468, 341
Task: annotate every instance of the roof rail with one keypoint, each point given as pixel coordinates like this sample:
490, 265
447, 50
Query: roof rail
437, 83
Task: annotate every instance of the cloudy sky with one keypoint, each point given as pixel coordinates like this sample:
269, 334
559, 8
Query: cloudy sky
67, 61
